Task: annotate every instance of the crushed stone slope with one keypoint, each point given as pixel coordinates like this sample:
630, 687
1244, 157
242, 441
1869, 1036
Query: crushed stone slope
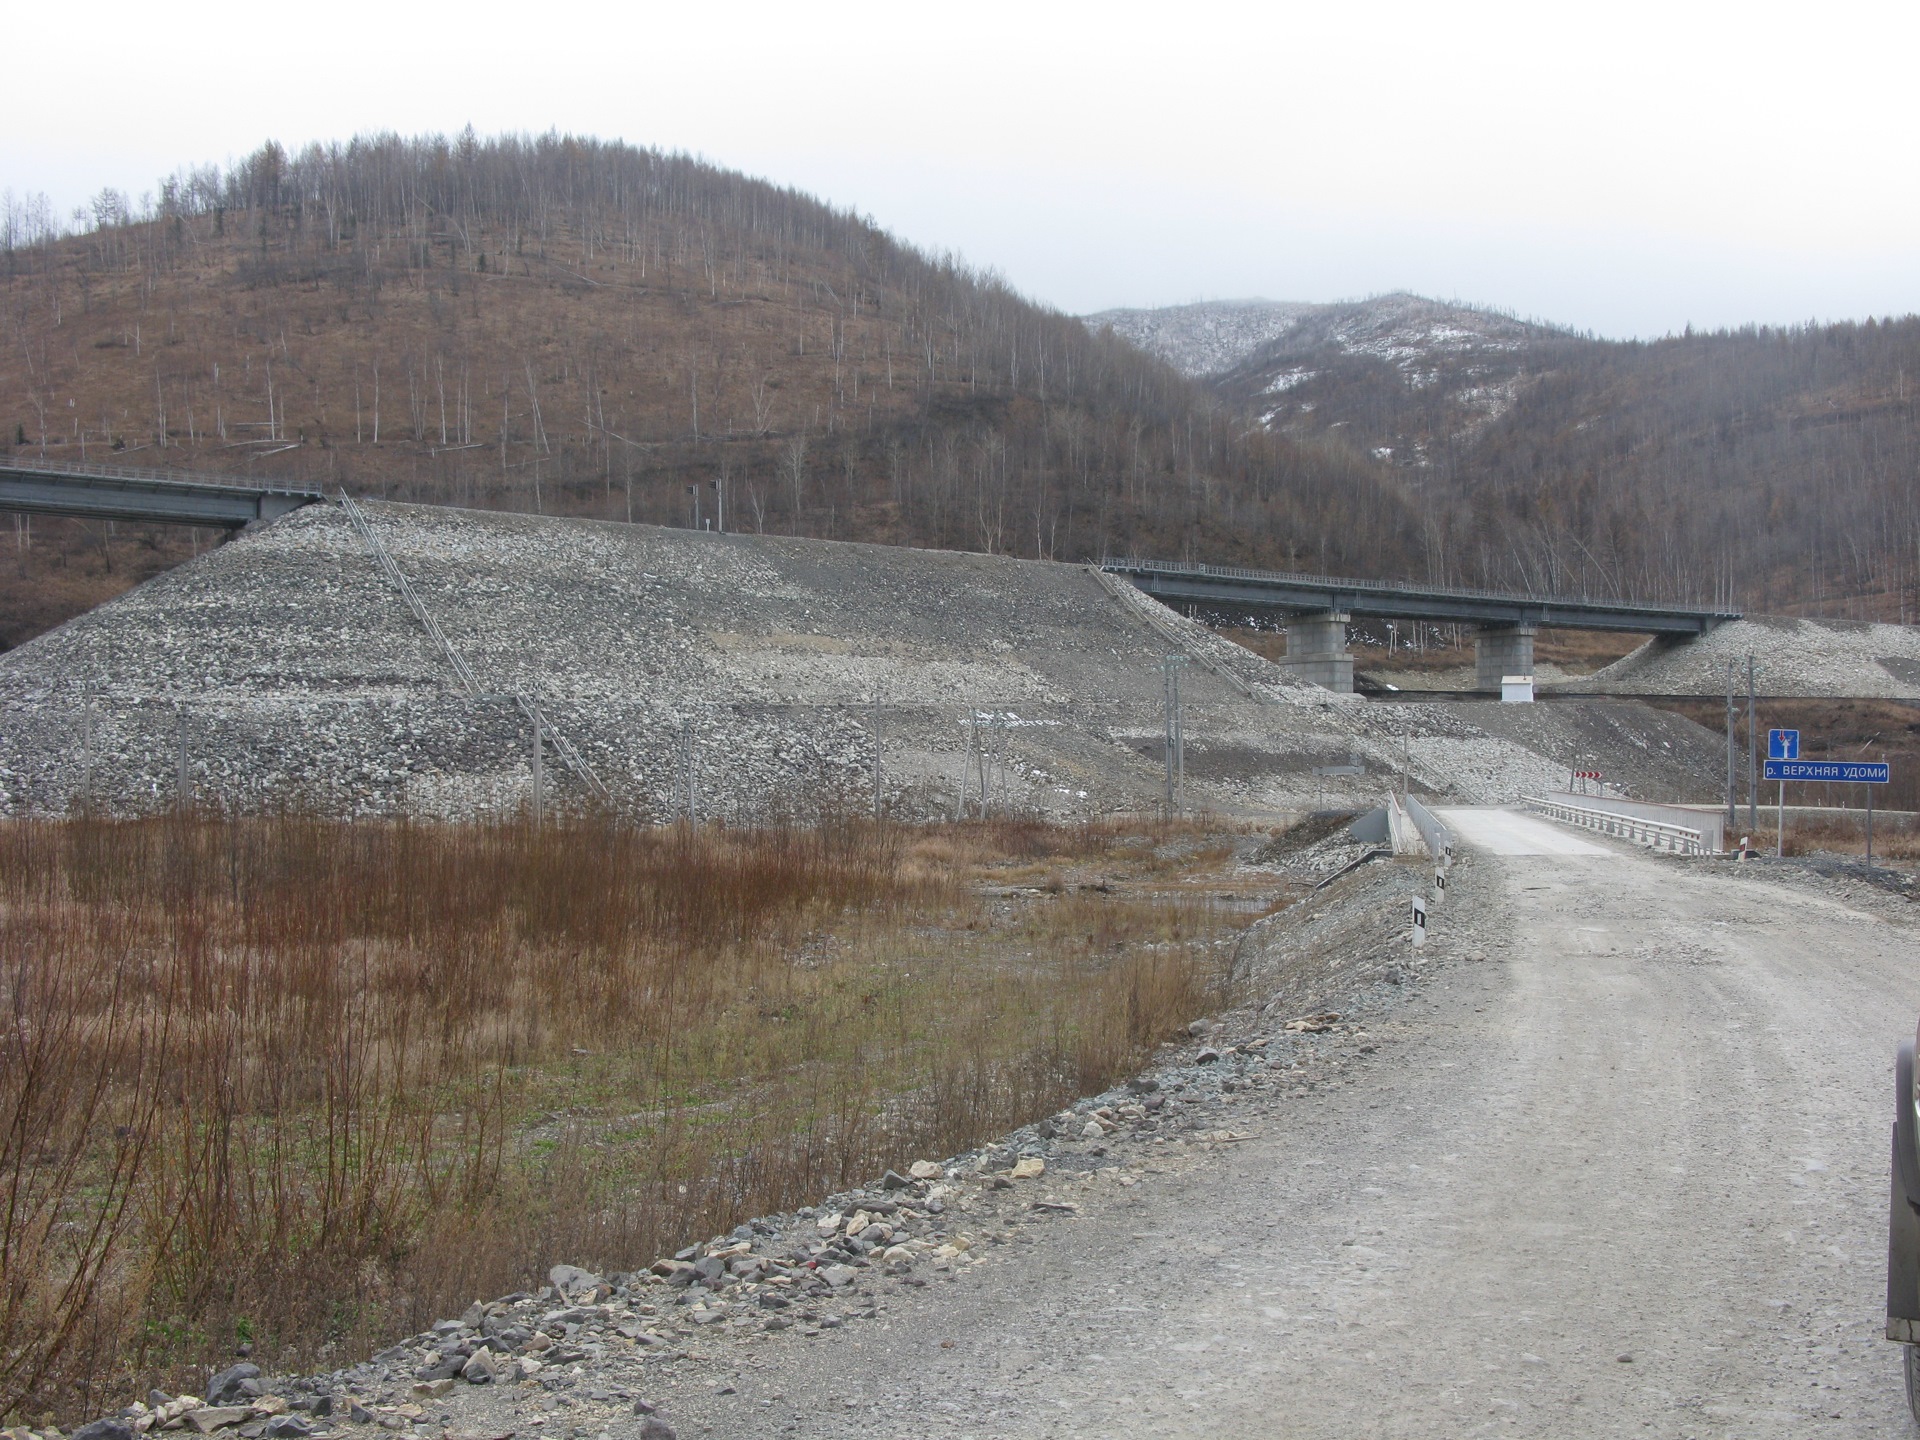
1795, 657
736, 677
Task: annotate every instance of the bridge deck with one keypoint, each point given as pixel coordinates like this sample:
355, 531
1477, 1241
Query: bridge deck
106, 492
1228, 588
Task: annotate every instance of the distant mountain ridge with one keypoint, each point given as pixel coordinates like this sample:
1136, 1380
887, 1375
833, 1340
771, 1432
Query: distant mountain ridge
1214, 338
1208, 338
1774, 468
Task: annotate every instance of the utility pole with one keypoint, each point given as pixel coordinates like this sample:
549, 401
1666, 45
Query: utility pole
539, 773
182, 781
966, 765
1733, 814
686, 754
1753, 758
1006, 763
1176, 757
980, 761
86, 753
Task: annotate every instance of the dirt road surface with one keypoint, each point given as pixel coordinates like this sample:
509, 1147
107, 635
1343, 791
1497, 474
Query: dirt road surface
1628, 1178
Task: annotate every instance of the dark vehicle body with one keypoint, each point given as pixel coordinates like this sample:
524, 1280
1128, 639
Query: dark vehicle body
1903, 1226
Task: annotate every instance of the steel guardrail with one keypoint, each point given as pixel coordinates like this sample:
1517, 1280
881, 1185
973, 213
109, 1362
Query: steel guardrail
1657, 834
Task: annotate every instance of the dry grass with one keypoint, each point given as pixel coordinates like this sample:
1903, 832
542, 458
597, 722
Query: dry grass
1896, 837
313, 1085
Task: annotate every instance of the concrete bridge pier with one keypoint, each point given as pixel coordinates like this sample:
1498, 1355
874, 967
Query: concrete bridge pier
1501, 650
1317, 650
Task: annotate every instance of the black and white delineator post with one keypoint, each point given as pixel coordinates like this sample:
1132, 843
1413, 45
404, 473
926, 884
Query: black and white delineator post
1419, 921
1439, 885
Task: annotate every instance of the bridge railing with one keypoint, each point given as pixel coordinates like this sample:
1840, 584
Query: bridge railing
1438, 837
136, 475
1657, 834
1447, 592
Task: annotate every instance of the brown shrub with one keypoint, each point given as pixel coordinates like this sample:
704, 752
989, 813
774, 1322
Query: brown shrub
314, 1084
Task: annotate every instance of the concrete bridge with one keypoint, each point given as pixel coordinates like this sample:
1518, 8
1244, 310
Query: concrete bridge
109, 492
1318, 608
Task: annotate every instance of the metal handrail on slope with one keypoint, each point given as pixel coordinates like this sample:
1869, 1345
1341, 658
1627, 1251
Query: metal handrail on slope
469, 682
1658, 834
1130, 597
563, 747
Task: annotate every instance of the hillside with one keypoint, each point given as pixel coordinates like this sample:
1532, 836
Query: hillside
562, 326
1207, 338
1776, 468
1220, 338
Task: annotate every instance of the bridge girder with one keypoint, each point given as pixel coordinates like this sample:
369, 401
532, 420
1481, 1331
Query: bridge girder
105, 493
1286, 595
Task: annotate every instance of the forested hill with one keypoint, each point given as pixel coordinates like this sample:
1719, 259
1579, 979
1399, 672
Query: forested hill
566, 326
1777, 468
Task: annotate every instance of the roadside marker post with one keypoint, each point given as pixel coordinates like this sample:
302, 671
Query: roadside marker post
1419, 921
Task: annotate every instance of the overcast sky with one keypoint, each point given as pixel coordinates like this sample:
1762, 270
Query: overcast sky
1629, 168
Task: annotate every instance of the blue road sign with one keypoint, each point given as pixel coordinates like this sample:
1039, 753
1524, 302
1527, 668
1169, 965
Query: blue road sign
1845, 772
1783, 745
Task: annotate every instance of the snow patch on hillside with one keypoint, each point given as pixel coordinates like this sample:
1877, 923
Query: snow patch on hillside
1204, 339
1408, 332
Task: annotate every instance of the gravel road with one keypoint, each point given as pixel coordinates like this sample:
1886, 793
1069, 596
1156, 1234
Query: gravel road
1629, 1178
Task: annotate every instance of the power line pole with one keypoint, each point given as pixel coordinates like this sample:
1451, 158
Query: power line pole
1176, 758
980, 762
539, 774
1753, 758
86, 753
686, 754
182, 781
876, 757
966, 766
1733, 814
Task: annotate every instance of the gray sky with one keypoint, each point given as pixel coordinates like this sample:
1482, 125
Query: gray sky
1629, 168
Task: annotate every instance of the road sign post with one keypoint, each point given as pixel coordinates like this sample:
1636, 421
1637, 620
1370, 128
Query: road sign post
1784, 764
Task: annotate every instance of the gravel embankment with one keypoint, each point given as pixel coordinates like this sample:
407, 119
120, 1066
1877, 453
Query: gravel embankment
1795, 658
736, 676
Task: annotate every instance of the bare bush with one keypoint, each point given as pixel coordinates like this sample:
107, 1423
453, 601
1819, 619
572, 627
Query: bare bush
315, 1084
